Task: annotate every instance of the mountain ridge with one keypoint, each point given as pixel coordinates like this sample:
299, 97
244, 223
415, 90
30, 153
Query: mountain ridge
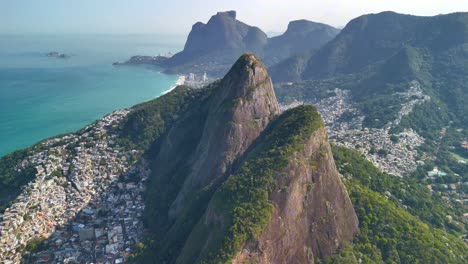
214, 46
384, 52
301, 36
239, 124
374, 38
238, 113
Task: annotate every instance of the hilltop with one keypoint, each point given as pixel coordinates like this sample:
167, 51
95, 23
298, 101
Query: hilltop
196, 189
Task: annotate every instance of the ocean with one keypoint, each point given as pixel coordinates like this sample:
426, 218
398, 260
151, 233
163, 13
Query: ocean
43, 96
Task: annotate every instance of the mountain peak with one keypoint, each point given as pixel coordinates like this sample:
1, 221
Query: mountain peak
247, 62
213, 47
301, 37
239, 109
231, 14
233, 145
222, 39
247, 74
248, 58
302, 25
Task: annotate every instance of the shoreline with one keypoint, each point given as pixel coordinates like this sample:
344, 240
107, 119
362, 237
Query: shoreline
180, 81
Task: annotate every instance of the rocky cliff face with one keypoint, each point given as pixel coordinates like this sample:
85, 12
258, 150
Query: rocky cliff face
285, 202
213, 47
203, 144
313, 214
234, 151
217, 44
301, 36
239, 111
224, 32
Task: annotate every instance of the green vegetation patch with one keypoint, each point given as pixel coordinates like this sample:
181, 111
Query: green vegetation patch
406, 192
148, 121
388, 232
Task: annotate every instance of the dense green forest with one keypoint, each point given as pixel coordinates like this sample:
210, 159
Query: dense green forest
399, 220
148, 121
407, 192
390, 234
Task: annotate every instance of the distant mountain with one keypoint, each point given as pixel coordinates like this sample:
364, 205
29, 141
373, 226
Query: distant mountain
375, 38
301, 36
291, 69
365, 40
382, 53
215, 46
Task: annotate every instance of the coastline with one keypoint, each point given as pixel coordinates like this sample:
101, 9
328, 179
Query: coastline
33, 116
180, 81
81, 184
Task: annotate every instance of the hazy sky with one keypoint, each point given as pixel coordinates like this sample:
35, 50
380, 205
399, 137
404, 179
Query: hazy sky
177, 16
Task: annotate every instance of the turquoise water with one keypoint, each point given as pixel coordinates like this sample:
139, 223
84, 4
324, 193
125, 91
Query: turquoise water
41, 97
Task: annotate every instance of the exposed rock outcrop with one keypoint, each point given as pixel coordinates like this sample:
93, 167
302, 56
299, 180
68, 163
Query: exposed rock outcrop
216, 45
313, 214
213, 47
203, 144
193, 203
223, 32
239, 111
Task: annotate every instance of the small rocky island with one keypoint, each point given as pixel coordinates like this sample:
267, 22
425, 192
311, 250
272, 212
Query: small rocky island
55, 54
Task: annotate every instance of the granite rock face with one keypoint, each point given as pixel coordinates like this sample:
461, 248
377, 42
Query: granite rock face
224, 32
313, 217
213, 47
216, 45
203, 144
239, 111
210, 143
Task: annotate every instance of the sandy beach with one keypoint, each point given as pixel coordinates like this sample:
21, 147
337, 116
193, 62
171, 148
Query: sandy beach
180, 81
